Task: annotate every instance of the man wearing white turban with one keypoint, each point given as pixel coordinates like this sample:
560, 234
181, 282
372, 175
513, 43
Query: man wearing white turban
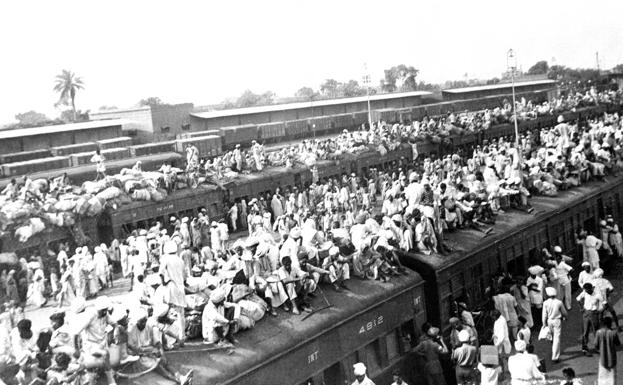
359, 370
172, 268
522, 367
143, 340
215, 326
554, 313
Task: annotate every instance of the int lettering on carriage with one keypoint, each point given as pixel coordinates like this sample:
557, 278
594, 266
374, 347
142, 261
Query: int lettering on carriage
312, 357
372, 324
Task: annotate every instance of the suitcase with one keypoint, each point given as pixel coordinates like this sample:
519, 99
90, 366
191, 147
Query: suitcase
489, 355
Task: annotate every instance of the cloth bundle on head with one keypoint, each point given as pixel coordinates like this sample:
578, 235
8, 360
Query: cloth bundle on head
433, 332
161, 310
153, 280
102, 303
550, 291
359, 369
520, 346
170, 247
119, 313
464, 336
536, 270
138, 314
78, 305
218, 295
251, 241
598, 273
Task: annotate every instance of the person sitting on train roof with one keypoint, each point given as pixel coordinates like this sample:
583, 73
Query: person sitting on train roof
219, 318
144, 340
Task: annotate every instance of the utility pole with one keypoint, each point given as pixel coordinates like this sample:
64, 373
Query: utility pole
511, 64
597, 59
366, 82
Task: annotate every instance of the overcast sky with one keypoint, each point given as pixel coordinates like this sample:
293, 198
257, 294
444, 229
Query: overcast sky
205, 51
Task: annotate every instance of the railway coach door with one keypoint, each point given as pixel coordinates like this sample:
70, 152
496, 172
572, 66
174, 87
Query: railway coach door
104, 228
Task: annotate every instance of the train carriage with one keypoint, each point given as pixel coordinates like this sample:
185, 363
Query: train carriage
515, 243
374, 323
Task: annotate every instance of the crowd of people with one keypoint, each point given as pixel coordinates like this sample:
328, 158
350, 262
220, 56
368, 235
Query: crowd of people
191, 281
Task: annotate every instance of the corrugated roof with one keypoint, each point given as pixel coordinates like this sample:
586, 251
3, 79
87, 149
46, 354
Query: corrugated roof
32, 131
298, 105
499, 86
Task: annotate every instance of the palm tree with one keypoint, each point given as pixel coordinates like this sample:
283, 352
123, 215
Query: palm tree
67, 83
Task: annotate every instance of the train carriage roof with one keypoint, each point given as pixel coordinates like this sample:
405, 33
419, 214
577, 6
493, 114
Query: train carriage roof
274, 338
498, 86
299, 105
46, 130
467, 242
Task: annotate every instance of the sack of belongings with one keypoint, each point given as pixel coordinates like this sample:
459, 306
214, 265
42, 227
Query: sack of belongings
56, 219
82, 205
16, 210
157, 195
141, 195
109, 193
65, 205
90, 187
34, 226
95, 206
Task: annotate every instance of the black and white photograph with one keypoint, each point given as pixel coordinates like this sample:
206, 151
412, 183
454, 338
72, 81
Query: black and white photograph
311, 192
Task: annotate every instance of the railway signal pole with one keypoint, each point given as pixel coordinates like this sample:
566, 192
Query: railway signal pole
366, 82
511, 64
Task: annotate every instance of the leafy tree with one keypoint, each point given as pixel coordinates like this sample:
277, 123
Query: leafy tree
329, 88
77, 116
247, 99
400, 78
266, 98
618, 68
31, 119
539, 68
573, 75
250, 99
350, 89
306, 93
67, 84
151, 101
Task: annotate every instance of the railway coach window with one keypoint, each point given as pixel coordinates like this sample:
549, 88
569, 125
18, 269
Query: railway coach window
373, 356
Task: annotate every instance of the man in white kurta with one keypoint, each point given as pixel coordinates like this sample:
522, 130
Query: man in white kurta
172, 268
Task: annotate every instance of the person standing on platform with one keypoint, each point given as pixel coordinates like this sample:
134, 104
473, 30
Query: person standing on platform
359, 370
586, 274
100, 167
590, 245
606, 341
430, 348
521, 366
562, 272
554, 313
465, 356
592, 303
500, 338
172, 268
535, 286
605, 288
